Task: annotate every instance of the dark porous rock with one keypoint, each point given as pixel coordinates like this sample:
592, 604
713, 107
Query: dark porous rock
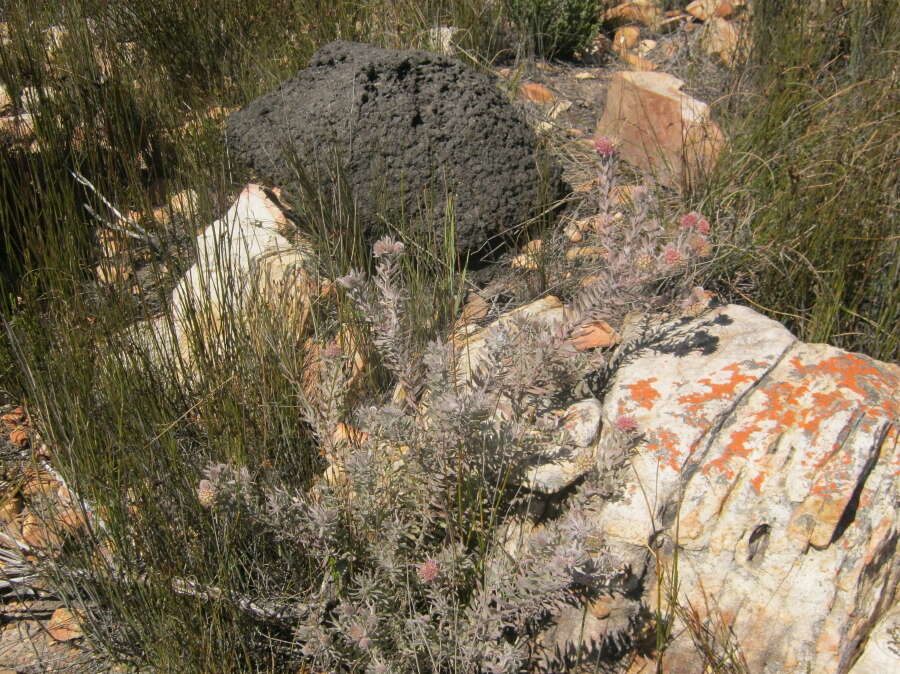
404, 128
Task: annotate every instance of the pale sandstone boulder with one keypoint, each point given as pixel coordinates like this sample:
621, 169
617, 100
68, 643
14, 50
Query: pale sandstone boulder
242, 261
226, 251
770, 466
659, 129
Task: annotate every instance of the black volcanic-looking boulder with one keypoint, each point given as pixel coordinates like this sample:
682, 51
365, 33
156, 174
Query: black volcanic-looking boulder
400, 125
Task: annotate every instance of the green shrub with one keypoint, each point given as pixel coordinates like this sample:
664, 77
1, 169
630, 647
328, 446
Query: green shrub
554, 28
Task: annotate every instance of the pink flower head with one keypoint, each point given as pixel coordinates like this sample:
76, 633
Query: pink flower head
694, 220
626, 424
604, 146
672, 255
428, 570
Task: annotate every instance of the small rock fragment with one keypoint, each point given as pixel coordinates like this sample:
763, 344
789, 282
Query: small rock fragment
349, 435
559, 108
20, 437
646, 46
112, 242
720, 38
659, 129
594, 223
112, 274
573, 232
627, 195
65, 625
11, 508
529, 258
588, 186
19, 128
595, 335
183, 204
36, 534
637, 62
724, 10
644, 12
626, 37
704, 10
701, 9
536, 93
475, 308
13, 418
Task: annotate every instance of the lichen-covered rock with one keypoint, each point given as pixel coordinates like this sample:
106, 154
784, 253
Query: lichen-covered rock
397, 124
771, 467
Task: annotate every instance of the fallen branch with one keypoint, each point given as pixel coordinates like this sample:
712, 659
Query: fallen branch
122, 224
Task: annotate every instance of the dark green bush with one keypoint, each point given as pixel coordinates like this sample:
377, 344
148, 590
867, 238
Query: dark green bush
554, 28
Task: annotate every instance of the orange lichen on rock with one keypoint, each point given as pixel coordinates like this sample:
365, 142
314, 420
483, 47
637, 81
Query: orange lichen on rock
665, 444
643, 393
718, 391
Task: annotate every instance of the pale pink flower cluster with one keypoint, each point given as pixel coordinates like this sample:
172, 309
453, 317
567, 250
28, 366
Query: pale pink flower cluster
695, 221
428, 570
625, 424
604, 146
672, 256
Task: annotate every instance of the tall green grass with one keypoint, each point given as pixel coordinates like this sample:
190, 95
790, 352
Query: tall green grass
810, 184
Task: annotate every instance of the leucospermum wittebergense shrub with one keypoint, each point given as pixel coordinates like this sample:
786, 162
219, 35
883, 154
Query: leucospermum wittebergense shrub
406, 567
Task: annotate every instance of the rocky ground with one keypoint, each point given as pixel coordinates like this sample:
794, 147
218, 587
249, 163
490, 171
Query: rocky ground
38, 633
